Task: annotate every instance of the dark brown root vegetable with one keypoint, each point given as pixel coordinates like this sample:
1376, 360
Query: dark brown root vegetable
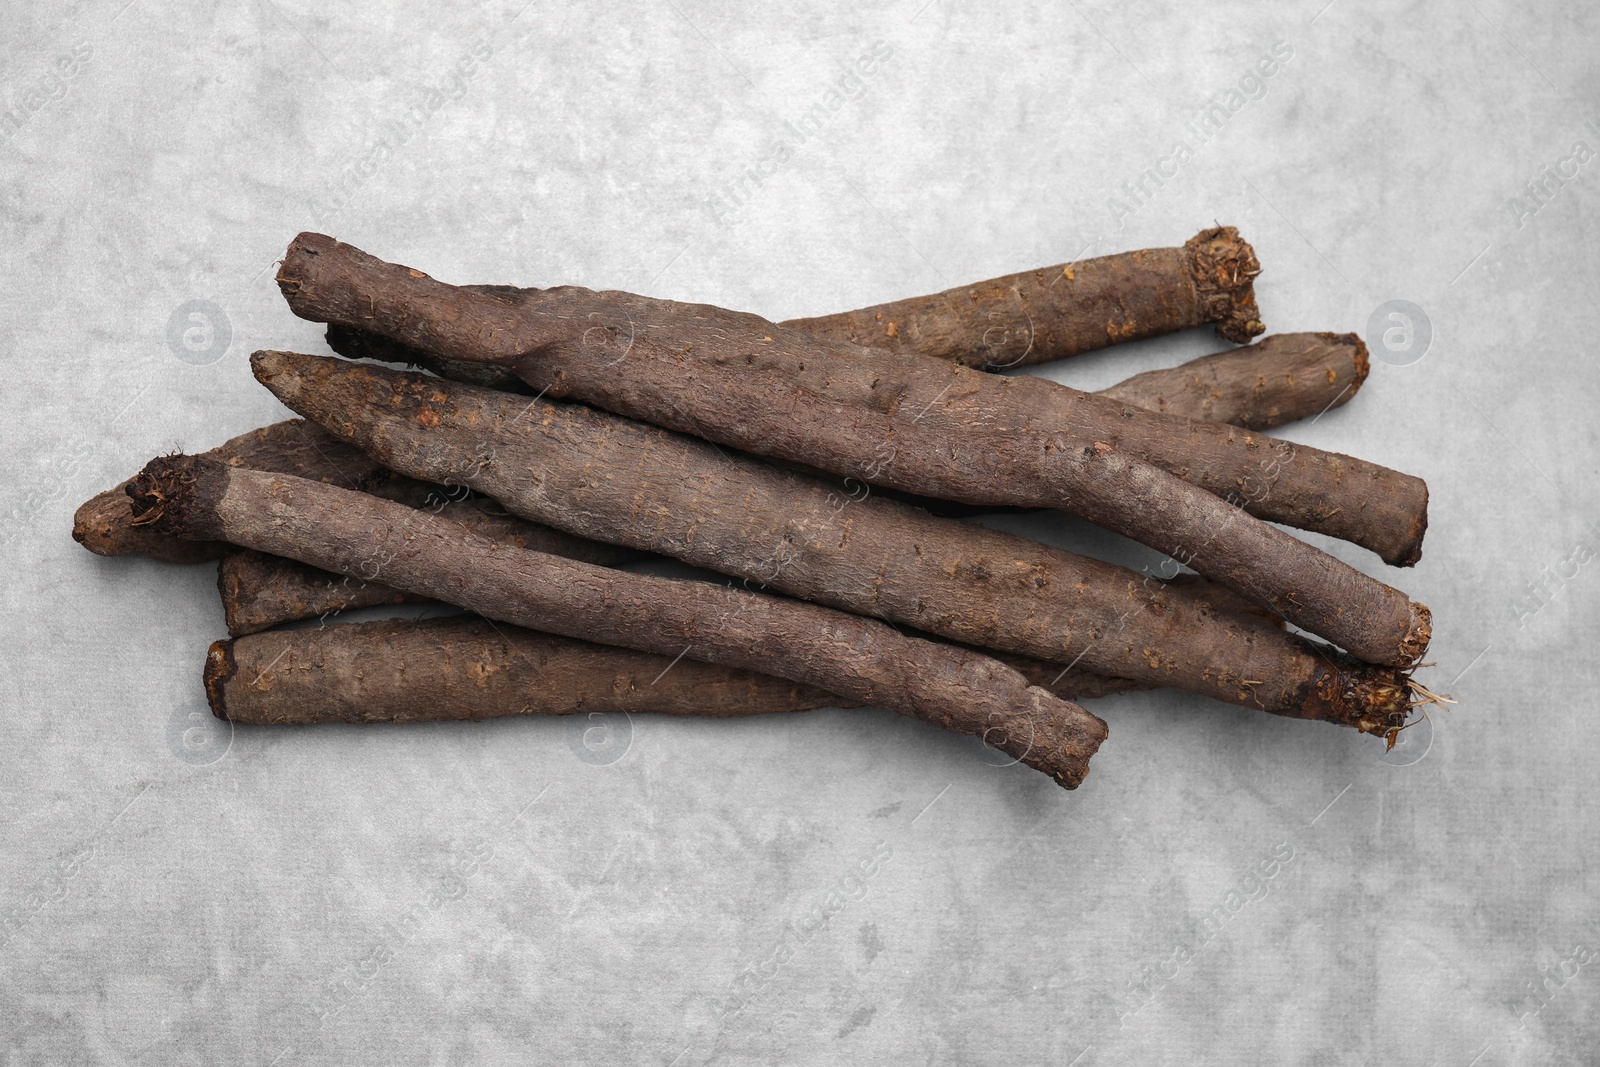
859, 659
610, 479
1278, 380
465, 667
1260, 386
261, 591
915, 424
1275, 381
1268, 384
105, 525
1062, 311
1019, 319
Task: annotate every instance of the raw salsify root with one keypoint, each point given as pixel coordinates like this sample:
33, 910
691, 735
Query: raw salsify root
860, 659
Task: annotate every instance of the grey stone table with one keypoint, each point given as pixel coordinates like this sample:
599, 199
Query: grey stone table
1226, 887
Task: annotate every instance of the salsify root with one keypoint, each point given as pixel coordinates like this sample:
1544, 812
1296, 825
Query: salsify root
465, 667
265, 595
860, 659
915, 424
610, 479
1068, 309
261, 591
1279, 379
1011, 321
908, 422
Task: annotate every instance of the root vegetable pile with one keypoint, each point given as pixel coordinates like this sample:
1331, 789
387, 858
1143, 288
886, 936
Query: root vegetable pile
555, 439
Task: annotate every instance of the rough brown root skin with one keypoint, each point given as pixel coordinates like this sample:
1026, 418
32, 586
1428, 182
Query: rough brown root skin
1277, 380
1411, 550
465, 667
1224, 268
1373, 621
261, 591
1363, 363
319, 270
860, 659
1014, 320
1064, 310
616, 480
906, 422
915, 424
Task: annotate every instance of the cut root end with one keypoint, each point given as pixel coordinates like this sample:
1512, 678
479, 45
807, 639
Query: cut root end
1411, 696
1224, 268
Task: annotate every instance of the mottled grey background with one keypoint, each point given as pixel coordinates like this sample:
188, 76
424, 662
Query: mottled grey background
499, 892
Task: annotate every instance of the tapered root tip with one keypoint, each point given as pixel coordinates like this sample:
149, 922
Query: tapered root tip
104, 526
219, 668
1224, 268
269, 366
97, 521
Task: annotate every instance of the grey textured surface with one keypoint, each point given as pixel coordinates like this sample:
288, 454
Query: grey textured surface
1227, 887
